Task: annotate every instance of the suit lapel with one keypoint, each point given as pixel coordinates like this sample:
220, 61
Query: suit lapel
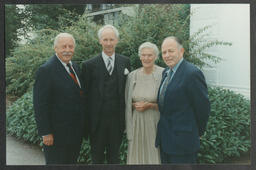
177, 75
164, 75
119, 69
61, 71
76, 69
101, 69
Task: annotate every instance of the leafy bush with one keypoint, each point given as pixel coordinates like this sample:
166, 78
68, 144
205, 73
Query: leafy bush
227, 134
228, 130
21, 68
150, 23
20, 119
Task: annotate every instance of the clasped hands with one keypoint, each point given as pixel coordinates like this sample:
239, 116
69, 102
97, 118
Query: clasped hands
142, 106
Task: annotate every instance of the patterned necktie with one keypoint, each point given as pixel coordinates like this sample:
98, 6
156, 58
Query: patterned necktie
164, 87
109, 66
72, 74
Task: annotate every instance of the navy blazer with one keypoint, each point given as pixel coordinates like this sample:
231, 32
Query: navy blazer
185, 111
58, 104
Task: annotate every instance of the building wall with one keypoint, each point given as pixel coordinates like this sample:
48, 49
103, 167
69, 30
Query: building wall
231, 23
110, 12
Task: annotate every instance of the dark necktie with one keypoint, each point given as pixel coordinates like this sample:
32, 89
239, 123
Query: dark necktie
72, 74
164, 87
109, 65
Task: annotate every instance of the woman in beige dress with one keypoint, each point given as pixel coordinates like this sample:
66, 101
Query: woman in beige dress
142, 112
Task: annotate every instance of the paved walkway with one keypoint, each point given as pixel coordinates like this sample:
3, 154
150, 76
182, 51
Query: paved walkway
20, 153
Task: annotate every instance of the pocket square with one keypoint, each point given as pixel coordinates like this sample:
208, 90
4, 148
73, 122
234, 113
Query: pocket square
126, 71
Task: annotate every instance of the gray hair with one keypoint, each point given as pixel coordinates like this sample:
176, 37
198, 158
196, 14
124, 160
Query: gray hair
176, 39
149, 45
61, 35
105, 27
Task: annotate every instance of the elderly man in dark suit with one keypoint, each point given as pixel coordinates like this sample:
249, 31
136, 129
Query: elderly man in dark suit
57, 97
105, 76
184, 106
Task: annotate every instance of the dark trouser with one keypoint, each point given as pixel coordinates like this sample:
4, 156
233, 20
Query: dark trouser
61, 155
107, 136
178, 159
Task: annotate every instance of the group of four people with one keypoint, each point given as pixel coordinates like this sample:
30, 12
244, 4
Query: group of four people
163, 111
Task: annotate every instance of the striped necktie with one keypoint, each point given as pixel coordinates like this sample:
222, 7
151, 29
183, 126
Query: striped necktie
109, 66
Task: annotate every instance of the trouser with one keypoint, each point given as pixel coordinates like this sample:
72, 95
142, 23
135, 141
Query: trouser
178, 159
61, 154
107, 137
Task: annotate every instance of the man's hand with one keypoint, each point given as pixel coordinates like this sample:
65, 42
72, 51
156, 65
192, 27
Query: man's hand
48, 140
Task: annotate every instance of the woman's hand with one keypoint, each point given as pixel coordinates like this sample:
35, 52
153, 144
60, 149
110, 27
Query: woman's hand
142, 106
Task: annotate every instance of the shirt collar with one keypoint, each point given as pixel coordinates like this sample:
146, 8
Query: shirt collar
175, 68
105, 56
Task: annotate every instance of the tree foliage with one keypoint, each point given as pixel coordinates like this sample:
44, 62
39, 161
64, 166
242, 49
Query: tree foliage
150, 23
22, 20
48, 16
13, 26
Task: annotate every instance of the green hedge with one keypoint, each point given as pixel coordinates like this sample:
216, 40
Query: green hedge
228, 130
227, 134
20, 120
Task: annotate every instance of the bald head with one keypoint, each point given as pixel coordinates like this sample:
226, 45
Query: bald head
176, 39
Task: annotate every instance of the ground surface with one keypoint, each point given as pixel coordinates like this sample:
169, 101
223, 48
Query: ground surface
21, 153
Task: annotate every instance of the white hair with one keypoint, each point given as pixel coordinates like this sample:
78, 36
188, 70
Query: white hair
61, 35
105, 27
149, 45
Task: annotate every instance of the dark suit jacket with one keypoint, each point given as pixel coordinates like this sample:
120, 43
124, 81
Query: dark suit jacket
185, 111
57, 103
92, 75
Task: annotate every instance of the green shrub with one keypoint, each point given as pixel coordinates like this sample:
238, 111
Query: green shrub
20, 119
150, 23
25, 60
227, 134
85, 153
228, 130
